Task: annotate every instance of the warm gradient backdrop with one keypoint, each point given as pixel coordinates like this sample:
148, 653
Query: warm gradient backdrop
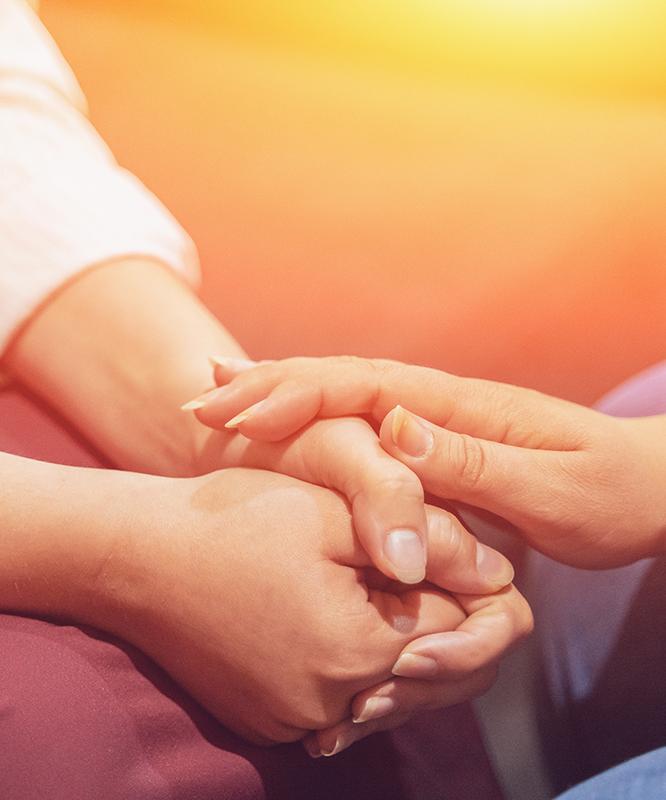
478, 185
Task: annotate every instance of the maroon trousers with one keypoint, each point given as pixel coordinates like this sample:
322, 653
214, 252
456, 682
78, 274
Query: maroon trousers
84, 715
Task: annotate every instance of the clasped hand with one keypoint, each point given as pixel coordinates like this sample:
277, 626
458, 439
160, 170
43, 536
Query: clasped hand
400, 535
582, 487
252, 590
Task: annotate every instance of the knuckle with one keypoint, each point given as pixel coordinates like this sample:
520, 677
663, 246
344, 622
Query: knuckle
461, 544
515, 615
355, 362
526, 621
450, 543
399, 485
467, 458
505, 620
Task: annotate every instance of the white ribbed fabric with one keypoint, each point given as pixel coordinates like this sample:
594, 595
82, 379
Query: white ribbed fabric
65, 204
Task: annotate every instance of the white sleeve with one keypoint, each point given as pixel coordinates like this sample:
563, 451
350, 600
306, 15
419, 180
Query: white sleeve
65, 204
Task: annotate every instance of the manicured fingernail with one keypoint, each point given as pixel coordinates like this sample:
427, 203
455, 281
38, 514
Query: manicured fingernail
493, 566
330, 751
343, 741
236, 421
193, 405
375, 707
409, 434
201, 400
409, 665
404, 549
228, 362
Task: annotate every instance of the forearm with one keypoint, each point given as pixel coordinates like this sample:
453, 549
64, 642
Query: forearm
52, 548
117, 351
116, 348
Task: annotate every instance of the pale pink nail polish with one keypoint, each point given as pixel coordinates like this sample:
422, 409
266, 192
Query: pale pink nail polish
411, 665
375, 708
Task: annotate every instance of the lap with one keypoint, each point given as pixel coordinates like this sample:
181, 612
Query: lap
84, 715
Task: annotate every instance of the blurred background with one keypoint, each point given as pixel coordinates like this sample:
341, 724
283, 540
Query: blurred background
479, 185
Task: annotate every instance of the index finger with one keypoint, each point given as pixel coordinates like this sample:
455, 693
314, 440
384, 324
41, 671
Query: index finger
294, 391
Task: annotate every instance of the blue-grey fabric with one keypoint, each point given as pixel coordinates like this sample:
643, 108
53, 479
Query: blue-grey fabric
603, 641
642, 778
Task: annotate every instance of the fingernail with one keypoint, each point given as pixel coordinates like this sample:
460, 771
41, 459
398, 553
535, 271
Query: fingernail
342, 742
200, 401
193, 405
409, 665
493, 566
374, 708
410, 435
331, 751
228, 362
236, 421
404, 549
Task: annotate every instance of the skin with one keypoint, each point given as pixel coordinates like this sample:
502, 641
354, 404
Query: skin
581, 486
171, 567
120, 349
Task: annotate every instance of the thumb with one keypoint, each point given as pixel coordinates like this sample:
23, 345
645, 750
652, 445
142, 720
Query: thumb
508, 481
458, 562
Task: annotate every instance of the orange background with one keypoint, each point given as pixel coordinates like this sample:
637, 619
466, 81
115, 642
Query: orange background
480, 186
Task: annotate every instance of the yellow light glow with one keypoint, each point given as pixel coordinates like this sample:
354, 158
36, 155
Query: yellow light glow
606, 47
527, 10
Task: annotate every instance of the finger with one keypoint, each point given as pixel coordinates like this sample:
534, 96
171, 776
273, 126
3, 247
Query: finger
387, 504
344, 734
390, 705
494, 625
283, 412
403, 616
516, 483
458, 562
225, 368
494, 411
257, 407
331, 389
467, 669
217, 406
386, 497
406, 695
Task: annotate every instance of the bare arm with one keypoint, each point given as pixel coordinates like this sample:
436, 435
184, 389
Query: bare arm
117, 351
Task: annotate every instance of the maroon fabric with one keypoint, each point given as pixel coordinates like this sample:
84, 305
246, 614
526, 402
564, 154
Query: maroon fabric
83, 715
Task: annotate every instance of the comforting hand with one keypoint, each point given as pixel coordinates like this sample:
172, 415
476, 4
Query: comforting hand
251, 590
386, 498
583, 487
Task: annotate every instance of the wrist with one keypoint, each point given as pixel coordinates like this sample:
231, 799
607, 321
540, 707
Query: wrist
124, 579
137, 347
